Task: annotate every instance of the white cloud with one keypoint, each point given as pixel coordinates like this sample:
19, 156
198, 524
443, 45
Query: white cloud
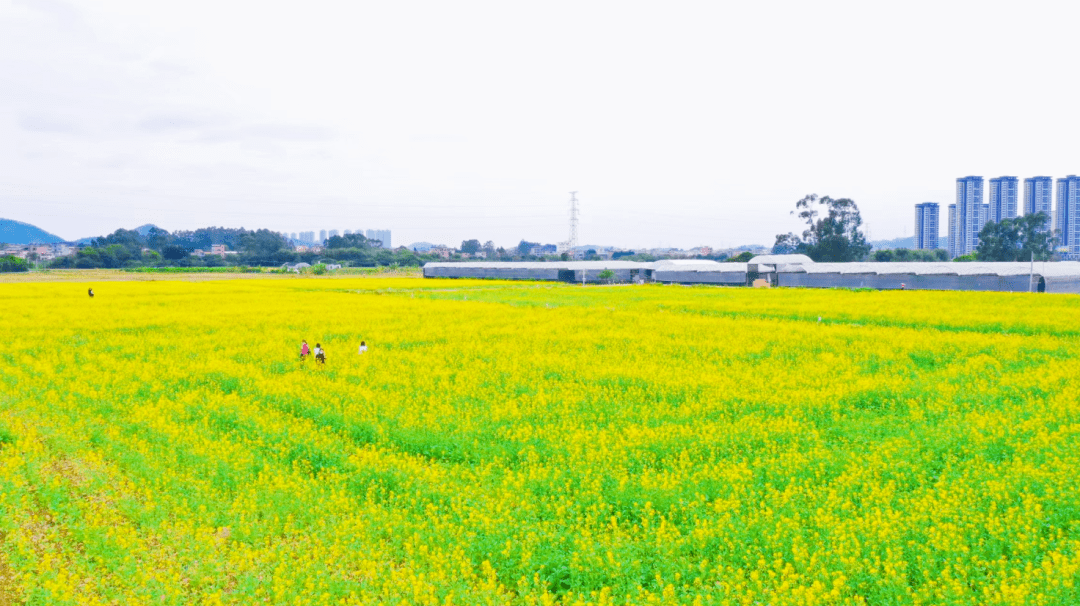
679, 123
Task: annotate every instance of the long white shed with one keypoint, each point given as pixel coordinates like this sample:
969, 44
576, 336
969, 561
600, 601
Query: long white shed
1061, 276
566, 271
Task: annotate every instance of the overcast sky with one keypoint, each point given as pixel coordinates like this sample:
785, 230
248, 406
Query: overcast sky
678, 123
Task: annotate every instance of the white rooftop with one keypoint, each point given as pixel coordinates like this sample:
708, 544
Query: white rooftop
1048, 268
781, 260
575, 265
698, 265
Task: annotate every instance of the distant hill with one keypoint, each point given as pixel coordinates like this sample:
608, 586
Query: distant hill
908, 242
145, 229
17, 232
142, 230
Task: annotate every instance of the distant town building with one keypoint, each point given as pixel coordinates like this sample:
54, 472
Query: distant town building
333, 233
1003, 196
307, 236
37, 252
952, 233
967, 216
215, 249
383, 235
1039, 197
348, 232
1068, 214
926, 225
322, 235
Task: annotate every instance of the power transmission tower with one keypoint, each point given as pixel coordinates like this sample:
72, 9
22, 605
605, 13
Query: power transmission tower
572, 242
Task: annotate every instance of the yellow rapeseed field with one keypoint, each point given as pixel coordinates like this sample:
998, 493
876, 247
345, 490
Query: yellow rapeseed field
499, 443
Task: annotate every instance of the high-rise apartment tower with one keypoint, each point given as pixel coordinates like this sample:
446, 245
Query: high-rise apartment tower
968, 216
1039, 197
382, 235
1067, 222
926, 225
952, 235
1003, 196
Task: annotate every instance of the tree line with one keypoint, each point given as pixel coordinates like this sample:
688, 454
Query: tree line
260, 248
833, 234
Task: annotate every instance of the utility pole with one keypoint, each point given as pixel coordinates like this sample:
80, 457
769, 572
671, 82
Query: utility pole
572, 242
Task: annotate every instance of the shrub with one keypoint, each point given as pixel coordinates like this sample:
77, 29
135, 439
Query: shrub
12, 263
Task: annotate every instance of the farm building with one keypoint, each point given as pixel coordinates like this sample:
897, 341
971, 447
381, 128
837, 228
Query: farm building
564, 271
1062, 276
789, 270
691, 271
731, 274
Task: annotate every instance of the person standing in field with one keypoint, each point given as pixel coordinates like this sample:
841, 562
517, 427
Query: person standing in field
304, 351
320, 355
363, 348
90, 291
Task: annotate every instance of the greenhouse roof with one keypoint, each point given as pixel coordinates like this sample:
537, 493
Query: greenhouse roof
781, 260
698, 265
571, 265
1058, 268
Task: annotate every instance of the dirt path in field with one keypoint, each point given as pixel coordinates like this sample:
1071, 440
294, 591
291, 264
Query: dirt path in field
9, 588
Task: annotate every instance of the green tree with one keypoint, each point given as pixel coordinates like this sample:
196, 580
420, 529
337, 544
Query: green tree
470, 246
606, 276
1016, 239
905, 254
174, 252
742, 257
350, 241
524, 246
152, 258
66, 262
88, 258
265, 247
127, 238
205, 237
119, 253
157, 238
832, 237
12, 263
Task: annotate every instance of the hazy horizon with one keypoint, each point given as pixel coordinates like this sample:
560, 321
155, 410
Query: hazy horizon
678, 125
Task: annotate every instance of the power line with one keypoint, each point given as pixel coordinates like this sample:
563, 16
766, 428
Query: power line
572, 242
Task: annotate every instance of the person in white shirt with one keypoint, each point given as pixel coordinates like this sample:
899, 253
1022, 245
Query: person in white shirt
363, 348
320, 355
